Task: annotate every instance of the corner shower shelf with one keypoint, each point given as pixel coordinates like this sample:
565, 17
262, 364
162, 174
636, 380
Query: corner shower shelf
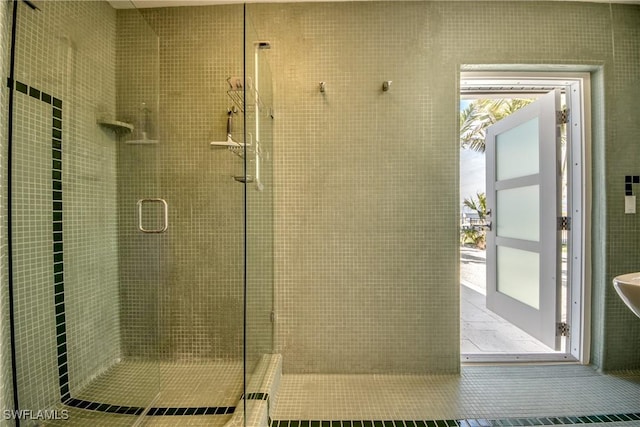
117, 126
123, 128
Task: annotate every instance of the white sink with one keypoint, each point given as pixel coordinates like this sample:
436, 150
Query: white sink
628, 287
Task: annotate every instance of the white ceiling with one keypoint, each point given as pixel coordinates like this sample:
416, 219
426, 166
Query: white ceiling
129, 4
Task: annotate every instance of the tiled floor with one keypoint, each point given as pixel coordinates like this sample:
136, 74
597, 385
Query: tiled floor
508, 392
480, 392
160, 384
134, 383
85, 418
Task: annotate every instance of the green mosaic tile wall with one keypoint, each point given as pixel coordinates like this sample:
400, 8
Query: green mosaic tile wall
67, 49
366, 181
365, 238
33, 255
620, 328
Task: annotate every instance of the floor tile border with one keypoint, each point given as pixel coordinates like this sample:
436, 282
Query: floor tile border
152, 412
466, 422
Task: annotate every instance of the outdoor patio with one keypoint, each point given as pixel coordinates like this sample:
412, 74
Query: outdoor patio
482, 331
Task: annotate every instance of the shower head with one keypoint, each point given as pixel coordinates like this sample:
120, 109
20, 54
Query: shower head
263, 44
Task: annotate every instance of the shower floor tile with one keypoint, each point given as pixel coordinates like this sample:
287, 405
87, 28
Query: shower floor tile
84, 418
165, 384
486, 392
200, 421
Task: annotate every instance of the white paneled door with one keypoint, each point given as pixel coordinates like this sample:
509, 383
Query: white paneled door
523, 198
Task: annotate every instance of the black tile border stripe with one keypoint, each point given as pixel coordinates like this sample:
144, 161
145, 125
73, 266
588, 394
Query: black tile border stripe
58, 280
257, 396
200, 410
465, 422
58, 231
104, 407
152, 412
629, 180
58, 235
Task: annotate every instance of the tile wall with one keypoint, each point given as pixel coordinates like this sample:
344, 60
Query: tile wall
366, 181
620, 328
66, 286
365, 237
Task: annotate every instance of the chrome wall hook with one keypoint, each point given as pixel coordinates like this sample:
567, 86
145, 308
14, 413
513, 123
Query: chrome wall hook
323, 86
386, 85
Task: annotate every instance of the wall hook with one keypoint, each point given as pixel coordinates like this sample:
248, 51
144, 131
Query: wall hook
386, 85
323, 86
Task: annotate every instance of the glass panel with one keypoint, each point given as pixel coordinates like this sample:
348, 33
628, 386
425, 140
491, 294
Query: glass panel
74, 230
518, 275
518, 213
259, 209
141, 254
202, 295
517, 152
259, 216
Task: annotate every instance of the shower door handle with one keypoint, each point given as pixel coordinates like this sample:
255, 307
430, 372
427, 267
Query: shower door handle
165, 216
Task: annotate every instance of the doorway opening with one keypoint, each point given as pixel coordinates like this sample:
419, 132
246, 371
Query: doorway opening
523, 141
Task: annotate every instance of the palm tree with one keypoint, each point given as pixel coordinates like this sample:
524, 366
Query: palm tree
475, 234
479, 205
482, 113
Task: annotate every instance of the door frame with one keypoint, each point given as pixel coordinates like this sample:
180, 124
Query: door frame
496, 80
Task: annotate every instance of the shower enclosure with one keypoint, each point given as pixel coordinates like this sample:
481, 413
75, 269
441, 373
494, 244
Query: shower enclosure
142, 255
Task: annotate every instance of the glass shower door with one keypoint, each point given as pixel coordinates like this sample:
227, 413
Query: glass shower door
75, 183
259, 192
144, 224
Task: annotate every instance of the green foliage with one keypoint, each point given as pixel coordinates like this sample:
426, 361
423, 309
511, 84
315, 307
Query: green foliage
482, 113
479, 205
475, 235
